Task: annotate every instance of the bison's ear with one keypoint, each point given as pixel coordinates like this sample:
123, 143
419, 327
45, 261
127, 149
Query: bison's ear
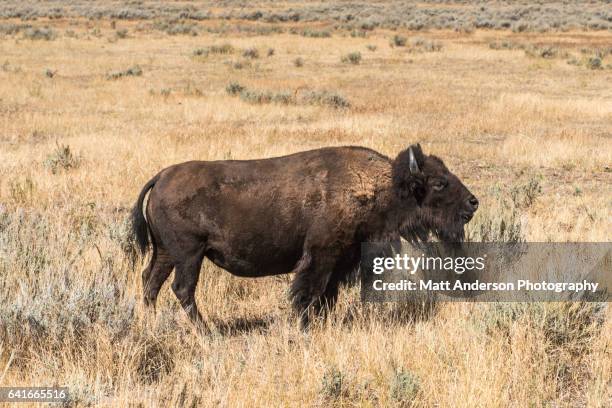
408, 178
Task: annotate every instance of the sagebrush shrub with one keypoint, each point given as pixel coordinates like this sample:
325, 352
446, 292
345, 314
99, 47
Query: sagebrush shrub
332, 384
234, 88
326, 98
352, 58
405, 386
174, 27
542, 52
241, 64
252, 53
398, 41
225, 48
200, 52
594, 63
256, 96
132, 71
62, 158
39, 33
315, 33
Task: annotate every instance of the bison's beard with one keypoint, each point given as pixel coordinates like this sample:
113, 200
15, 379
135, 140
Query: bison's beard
422, 224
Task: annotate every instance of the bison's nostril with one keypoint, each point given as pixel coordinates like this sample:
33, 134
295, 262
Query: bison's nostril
467, 217
473, 203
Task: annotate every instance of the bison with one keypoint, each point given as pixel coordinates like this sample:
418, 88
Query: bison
306, 213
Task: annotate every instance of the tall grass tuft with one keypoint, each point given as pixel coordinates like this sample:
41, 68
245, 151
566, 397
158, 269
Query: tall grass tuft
62, 158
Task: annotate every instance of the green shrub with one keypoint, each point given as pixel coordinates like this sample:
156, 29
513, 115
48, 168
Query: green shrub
133, 71
241, 64
287, 97
96, 32
260, 30
326, 98
594, 63
315, 33
37, 33
524, 195
174, 27
519, 27
201, 52
332, 384
422, 44
503, 45
234, 88
542, 52
12, 28
225, 48
432, 46
398, 41
62, 158
255, 96
298, 62
260, 97
405, 386
352, 58
252, 53
283, 97
501, 221
564, 324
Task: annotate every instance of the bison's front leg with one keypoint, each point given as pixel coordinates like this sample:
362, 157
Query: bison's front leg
311, 290
327, 301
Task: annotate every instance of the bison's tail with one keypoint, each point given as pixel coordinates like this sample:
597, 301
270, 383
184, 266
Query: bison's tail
140, 227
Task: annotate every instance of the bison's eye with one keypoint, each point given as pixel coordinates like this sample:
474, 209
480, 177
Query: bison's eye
438, 184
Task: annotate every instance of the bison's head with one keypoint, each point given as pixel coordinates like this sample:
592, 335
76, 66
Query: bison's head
434, 199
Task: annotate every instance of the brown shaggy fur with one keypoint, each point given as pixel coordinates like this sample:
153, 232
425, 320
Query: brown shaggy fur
305, 213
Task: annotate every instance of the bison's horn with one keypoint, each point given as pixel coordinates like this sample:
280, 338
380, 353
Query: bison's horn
414, 166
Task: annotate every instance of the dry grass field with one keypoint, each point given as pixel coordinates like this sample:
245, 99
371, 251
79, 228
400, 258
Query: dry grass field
90, 109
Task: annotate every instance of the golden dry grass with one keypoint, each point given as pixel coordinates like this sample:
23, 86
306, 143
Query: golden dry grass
71, 304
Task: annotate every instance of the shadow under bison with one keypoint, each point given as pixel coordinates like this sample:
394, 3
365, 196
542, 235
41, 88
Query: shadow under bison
305, 213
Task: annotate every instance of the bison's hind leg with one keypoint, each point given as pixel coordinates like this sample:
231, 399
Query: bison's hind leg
185, 281
155, 274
